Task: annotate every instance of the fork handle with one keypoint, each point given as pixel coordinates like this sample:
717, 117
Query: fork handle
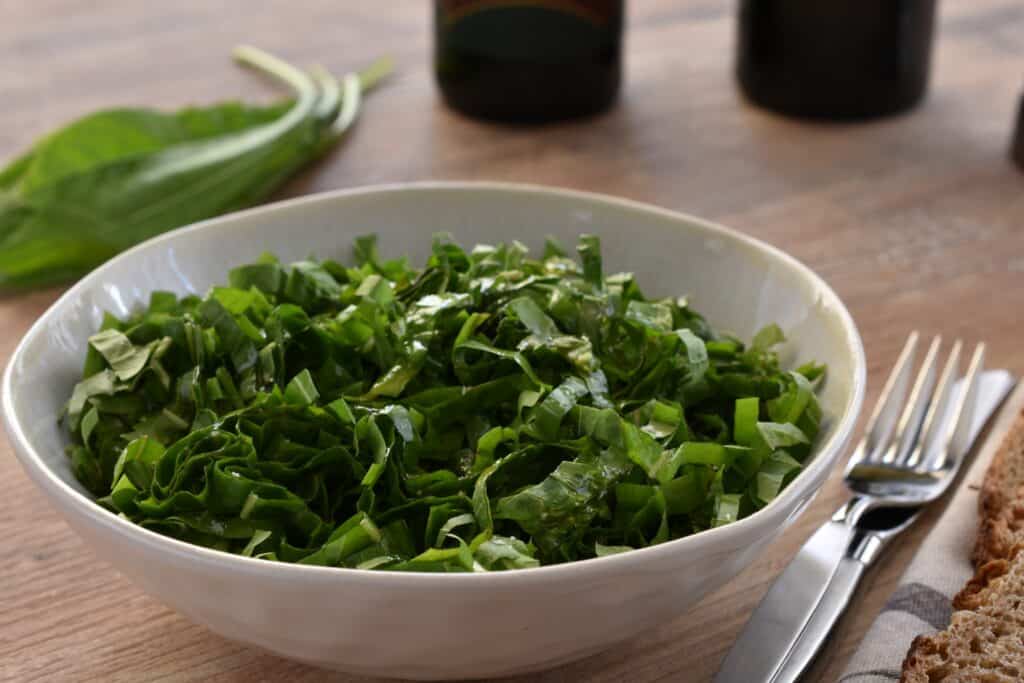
763, 648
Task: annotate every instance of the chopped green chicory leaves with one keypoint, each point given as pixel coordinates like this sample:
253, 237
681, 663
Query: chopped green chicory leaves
486, 412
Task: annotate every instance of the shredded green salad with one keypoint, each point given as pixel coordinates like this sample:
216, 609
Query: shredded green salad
489, 411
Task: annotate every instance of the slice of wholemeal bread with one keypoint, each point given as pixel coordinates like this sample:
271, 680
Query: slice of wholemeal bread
984, 642
1001, 501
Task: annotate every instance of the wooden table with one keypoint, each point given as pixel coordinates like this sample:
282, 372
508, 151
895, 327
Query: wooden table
916, 221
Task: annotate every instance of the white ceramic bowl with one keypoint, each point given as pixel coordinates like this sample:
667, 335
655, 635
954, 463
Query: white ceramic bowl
432, 626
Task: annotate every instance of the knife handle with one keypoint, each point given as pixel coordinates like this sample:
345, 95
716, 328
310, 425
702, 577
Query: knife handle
777, 623
864, 549
833, 603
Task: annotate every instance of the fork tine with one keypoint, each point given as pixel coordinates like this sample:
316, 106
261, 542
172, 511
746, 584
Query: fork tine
961, 438
931, 428
883, 417
957, 427
909, 426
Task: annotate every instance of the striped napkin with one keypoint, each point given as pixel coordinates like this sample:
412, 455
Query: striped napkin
940, 568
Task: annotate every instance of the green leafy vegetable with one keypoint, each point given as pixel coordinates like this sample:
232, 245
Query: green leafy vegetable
117, 177
486, 412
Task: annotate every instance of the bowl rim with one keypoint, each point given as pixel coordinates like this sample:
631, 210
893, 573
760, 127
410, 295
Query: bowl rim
74, 501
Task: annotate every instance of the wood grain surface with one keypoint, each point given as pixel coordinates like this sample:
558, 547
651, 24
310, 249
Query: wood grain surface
917, 221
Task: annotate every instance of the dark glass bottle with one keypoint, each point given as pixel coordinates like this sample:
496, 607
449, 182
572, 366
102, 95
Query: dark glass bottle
528, 61
835, 59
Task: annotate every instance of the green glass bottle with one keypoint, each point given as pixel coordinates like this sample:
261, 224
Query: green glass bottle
528, 61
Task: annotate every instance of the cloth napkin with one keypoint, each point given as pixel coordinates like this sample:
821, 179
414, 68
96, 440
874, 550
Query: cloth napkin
940, 568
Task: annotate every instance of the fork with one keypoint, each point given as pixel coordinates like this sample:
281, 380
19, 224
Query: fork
914, 444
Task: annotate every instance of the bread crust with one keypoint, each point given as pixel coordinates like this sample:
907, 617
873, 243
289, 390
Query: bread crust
1001, 499
915, 662
997, 549
970, 596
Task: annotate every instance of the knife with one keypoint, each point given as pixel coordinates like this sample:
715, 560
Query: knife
795, 617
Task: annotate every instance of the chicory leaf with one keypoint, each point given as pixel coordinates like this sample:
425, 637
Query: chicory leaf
117, 177
489, 412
